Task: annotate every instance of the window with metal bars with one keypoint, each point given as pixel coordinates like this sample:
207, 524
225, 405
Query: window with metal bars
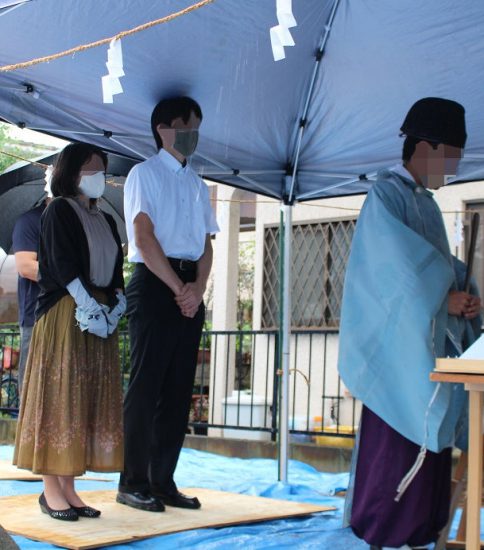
478, 266
319, 255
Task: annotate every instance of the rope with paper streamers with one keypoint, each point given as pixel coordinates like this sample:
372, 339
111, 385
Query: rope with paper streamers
242, 201
97, 43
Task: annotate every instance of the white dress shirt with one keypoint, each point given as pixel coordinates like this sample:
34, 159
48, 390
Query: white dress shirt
177, 202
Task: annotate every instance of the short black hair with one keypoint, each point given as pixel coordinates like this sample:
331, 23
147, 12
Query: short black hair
65, 177
168, 109
410, 144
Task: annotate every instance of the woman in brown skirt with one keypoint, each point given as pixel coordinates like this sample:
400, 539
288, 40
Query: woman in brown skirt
71, 409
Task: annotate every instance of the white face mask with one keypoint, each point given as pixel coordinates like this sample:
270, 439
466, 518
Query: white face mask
48, 179
93, 185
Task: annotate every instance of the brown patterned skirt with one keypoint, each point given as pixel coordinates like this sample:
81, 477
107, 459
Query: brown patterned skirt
71, 408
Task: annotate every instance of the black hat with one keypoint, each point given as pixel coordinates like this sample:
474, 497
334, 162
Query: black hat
436, 120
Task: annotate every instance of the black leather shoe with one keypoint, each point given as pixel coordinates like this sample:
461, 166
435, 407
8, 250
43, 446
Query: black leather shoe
69, 514
179, 500
86, 511
141, 501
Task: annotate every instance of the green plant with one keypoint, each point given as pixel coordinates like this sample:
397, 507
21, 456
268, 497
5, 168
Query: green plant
245, 285
128, 270
14, 147
206, 340
199, 408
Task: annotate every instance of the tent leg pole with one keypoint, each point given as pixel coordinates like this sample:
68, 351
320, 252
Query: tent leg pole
286, 345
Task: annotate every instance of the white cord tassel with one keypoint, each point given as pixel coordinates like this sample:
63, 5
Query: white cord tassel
404, 484
410, 476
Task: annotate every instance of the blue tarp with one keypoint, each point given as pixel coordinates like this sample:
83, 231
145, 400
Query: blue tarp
251, 477
245, 476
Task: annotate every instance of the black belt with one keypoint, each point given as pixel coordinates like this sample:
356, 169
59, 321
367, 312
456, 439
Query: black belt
183, 265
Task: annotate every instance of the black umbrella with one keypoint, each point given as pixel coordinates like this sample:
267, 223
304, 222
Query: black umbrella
22, 188
15, 202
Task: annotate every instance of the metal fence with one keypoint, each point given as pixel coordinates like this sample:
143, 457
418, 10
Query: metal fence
237, 383
9, 357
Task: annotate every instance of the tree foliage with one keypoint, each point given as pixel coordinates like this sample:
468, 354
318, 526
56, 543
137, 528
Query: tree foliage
6, 145
245, 299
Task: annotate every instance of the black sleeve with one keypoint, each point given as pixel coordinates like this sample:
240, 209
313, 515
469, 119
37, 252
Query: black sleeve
60, 260
118, 279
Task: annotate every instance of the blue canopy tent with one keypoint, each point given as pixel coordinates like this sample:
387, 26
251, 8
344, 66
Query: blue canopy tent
319, 123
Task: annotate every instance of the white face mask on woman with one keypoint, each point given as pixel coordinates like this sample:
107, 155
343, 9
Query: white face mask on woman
93, 185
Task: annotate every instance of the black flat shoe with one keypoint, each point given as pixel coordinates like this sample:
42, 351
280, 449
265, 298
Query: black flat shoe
86, 511
179, 500
69, 514
141, 501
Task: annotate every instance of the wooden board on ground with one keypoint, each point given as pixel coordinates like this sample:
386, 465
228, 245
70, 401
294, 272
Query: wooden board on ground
10, 472
118, 524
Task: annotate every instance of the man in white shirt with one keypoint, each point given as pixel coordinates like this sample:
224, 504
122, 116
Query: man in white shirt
169, 221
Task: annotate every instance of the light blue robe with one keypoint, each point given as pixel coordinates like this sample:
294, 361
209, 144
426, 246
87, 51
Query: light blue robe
394, 320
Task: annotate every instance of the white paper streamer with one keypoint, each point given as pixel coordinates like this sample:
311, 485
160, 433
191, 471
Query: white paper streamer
284, 35
277, 45
284, 13
48, 178
280, 34
110, 82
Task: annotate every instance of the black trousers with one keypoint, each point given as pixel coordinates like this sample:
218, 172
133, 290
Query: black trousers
164, 346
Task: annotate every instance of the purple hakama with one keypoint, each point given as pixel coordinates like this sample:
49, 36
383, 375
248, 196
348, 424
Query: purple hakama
384, 458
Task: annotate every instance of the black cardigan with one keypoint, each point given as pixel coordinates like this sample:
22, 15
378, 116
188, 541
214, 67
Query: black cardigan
64, 255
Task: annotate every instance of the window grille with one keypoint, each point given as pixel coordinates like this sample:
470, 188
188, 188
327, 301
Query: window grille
478, 267
319, 257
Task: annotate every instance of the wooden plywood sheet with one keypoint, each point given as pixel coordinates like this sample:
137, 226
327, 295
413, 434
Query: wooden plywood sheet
10, 472
456, 378
121, 524
460, 366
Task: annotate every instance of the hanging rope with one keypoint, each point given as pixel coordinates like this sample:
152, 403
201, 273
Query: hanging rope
313, 205
84, 47
239, 201
42, 165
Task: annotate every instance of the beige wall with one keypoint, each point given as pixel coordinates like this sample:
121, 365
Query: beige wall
311, 354
454, 198
449, 198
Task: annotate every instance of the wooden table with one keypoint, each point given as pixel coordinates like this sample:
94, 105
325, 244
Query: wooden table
474, 384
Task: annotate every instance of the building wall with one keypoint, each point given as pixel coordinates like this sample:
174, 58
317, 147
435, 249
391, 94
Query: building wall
450, 200
454, 198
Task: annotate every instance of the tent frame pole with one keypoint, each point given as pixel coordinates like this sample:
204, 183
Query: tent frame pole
303, 120
290, 183
93, 128
286, 345
264, 190
11, 8
368, 177
128, 148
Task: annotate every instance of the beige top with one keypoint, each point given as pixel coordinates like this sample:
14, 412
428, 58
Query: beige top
103, 249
